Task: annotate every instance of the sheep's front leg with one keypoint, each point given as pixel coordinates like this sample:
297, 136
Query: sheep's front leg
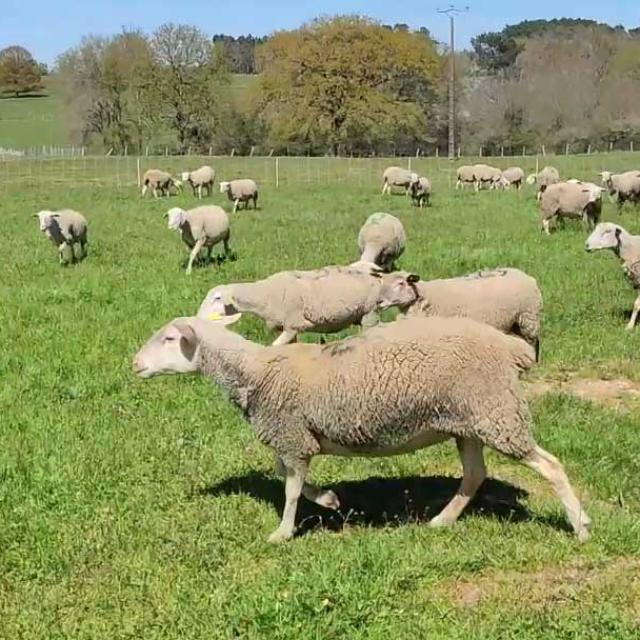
324, 497
61, 252
473, 474
369, 320
199, 192
294, 483
634, 315
235, 204
194, 254
286, 337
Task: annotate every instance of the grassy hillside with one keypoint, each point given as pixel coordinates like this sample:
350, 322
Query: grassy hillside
33, 121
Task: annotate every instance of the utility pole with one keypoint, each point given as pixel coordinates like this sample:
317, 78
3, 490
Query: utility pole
451, 12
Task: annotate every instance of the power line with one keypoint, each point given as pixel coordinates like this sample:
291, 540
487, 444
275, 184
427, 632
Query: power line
451, 11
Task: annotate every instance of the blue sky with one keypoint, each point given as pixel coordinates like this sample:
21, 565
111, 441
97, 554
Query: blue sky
48, 27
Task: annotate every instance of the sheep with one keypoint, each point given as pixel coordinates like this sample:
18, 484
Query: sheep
397, 388
483, 175
420, 190
322, 300
65, 228
161, 181
200, 227
511, 176
396, 177
507, 299
202, 178
627, 247
545, 178
241, 191
465, 175
381, 240
625, 185
571, 200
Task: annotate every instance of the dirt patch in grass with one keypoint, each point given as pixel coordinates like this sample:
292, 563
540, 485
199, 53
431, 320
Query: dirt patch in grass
617, 393
617, 580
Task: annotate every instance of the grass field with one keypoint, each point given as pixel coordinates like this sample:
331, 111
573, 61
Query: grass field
135, 509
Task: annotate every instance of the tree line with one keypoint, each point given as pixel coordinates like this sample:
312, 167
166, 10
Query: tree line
346, 85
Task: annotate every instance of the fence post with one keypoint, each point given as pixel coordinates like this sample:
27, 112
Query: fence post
210, 150
502, 152
437, 152
544, 152
409, 163
589, 150
631, 146
459, 152
138, 169
277, 173
524, 151
566, 149
610, 147
480, 153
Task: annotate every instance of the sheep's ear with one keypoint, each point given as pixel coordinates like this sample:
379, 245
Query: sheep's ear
412, 278
618, 233
186, 331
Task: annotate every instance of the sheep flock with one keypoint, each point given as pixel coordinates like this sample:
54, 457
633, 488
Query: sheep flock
448, 368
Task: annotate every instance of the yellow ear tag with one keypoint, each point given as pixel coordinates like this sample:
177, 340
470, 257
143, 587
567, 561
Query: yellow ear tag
215, 316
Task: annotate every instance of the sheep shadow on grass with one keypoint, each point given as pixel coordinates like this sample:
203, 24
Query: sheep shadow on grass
202, 262
386, 502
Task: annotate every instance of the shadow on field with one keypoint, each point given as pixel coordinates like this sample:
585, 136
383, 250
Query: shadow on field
384, 502
201, 262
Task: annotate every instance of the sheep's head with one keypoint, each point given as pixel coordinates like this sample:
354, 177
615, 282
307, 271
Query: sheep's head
532, 178
219, 306
225, 187
185, 176
502, 182
605, 176
176, 218
47, 219
606, 235
397, 290
175, 348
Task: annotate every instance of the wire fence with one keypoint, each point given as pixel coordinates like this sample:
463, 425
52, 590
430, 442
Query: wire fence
125, 172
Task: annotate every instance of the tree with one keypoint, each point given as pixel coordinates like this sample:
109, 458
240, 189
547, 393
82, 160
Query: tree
188, 81
19, 72
346, 84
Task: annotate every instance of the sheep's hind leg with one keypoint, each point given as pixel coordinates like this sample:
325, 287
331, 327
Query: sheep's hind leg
286, 337
474, 472
324, 497
550, 468
293, 486
194, 254
634, 315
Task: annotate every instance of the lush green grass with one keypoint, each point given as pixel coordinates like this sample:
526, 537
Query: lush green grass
33, 121
141, 509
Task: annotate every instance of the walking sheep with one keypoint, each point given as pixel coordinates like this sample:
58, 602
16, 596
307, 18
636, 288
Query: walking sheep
322, 301
65, 229
511, 176
396, 177
201, 227
239, 191
627, 247
507, 299
546, 177
571, 200
202, 178
398, 388
158, 181
381, 240
420, 190
484, 175
626, 186
464, 176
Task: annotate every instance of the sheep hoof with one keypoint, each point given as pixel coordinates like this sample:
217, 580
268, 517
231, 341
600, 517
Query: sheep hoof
630, 327
278, 537
328, 500
582, 534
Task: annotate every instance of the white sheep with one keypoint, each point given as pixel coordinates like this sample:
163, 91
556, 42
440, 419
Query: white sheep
545, 178
396, 177
202, 178
507, 299
243, 190
381, 240
513, 176
625, 186
201, 227
464, 176
397, 388
485, 175
627, 247
159, 181
65, 228
420, 190
571, 200
321, 300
